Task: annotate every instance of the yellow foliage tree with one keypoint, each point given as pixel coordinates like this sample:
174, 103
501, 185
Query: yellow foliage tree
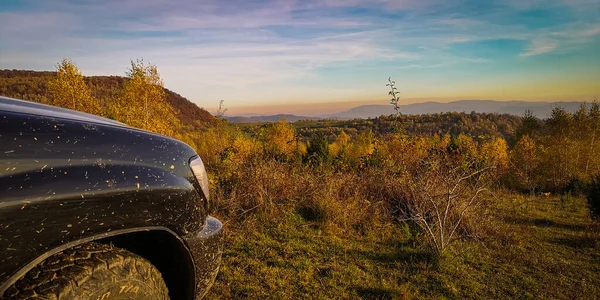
526, 161
465, 145
339, 146
212, 143
363, 146
142, 102
495, 152
280, 139
69, 90
441, 142
405, 150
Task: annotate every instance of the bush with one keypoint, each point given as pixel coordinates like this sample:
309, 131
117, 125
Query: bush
317, 153
440, 195
576, 187
593, 197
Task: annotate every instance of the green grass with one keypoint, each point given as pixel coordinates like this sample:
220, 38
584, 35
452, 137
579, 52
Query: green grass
544, 248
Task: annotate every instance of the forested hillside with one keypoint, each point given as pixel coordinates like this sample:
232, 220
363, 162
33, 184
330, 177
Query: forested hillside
477, 125
33, 86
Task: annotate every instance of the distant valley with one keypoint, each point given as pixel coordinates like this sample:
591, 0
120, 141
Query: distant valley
539, 109
269, 118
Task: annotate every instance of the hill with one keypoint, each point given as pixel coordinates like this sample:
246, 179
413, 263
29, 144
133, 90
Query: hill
33, 86
539, 109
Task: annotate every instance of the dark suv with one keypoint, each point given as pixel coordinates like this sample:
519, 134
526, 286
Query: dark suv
93, 209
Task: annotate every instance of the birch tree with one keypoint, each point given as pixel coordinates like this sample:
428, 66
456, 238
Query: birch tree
142, 101
69, 90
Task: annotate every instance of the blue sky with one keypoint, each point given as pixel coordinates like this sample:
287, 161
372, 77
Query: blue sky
315, 57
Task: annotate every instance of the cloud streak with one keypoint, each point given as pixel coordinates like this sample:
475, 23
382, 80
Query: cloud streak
254, 50
538, 47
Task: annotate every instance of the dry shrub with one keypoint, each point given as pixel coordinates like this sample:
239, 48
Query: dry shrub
436, 184
338, 199
439, 194
256, 185
268, 187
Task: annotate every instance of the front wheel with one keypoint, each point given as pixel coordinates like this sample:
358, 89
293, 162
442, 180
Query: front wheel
91, 271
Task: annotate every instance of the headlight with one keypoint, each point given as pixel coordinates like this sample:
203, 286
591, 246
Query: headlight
200, 172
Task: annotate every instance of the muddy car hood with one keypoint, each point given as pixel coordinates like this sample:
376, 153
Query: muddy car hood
67, 176
32, 108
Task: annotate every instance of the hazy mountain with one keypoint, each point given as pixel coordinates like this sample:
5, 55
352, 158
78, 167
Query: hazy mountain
518, 108
272, 118
539, 109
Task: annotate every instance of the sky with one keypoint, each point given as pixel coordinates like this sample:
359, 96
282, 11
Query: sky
317, 57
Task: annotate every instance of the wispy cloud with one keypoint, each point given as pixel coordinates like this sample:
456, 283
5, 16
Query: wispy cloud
213, 49
538, 47
592, 31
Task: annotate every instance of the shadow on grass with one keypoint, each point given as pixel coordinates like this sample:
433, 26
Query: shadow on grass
434, 288
576, 242
545, 223
401, 254
376, 293
309, 213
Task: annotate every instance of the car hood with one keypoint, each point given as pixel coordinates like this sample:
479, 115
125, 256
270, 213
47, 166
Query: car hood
33, 108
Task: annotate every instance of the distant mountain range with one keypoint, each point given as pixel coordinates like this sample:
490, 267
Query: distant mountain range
539, 109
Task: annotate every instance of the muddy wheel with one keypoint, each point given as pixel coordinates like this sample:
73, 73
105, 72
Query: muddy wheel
91, 271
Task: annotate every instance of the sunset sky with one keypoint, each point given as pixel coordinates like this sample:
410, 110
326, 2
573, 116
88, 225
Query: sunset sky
316, 57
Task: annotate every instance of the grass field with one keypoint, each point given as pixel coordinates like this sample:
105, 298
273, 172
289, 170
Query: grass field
541, 248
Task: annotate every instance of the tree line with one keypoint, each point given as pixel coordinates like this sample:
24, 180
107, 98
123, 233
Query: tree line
559, 154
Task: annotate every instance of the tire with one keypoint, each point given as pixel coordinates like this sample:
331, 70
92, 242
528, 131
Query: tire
91, 271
